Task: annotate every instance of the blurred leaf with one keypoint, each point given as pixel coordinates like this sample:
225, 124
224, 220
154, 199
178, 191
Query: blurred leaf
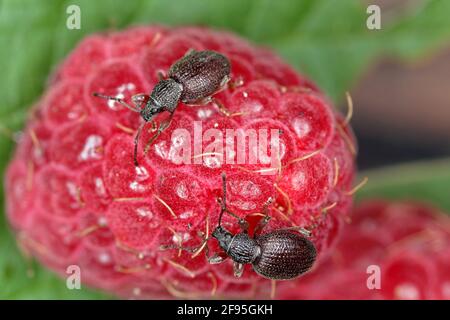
22, 278
326, 39
427, 181
421, 29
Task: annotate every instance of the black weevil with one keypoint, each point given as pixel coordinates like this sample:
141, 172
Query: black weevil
193, 80
279, 255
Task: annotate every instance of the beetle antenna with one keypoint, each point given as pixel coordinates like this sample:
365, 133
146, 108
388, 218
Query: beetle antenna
136, 143
267, 204
118, 100
224, 198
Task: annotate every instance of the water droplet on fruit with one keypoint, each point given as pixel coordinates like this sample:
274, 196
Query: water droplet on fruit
186, 236
212, 162
203, 114
298, 180
181, 190
104, 258
244, 205
246, 189
102, 221
76, 112
137, 291
301, 127
137, 187
38, 155
406, 291
186, 214
91, 148
144, 212
74, 192
18, 189
161, 150
100, 187
141, 173
176, 238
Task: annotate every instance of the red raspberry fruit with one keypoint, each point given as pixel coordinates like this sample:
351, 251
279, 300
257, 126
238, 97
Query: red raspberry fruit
410, 244
75, 197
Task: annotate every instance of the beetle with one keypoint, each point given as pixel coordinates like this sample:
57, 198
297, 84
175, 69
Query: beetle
193, 80
281, 254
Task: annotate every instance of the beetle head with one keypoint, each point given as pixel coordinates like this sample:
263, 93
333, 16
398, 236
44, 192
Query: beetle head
223, 236
164, 97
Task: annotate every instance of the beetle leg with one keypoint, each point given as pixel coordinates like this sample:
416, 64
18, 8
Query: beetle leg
209, 99
243, 224
216, 259
261, 224
200, 102
161, 75
136, 143
118, 100
238, 269
163, 126
305, 232
237, 82
265, 220
215, 101
301, 230
223, 110
195, 251
223, 83
165, 247
189, 52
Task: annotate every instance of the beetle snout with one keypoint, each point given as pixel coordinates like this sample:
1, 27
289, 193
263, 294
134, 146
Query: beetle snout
150, 111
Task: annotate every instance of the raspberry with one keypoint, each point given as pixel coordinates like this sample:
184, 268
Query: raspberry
408, 241
74, 195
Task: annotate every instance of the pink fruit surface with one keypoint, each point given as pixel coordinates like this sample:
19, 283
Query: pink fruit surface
74, 195
408, 242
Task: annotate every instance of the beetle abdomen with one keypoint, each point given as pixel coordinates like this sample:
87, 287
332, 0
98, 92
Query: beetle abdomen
284, 255
201, 73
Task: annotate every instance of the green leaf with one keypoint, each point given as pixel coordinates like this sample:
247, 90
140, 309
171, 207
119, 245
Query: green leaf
424, 27
426, 181
326, 39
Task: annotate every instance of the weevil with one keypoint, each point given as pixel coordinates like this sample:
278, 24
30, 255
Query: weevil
193, 80
281, 254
